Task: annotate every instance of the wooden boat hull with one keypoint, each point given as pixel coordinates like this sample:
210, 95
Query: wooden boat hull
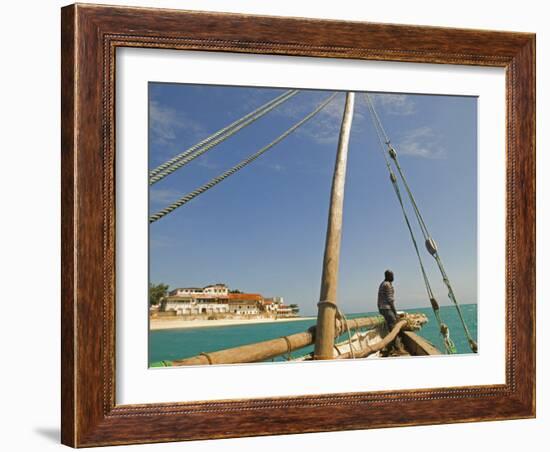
413, 344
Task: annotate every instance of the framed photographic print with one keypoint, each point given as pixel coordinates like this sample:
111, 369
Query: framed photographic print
281, 225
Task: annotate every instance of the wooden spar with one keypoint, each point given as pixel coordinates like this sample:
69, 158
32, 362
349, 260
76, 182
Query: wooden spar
261, 351
417, 345
370, 349
326, 314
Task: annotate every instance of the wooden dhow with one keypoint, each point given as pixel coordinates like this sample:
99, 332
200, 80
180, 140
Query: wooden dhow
366, 336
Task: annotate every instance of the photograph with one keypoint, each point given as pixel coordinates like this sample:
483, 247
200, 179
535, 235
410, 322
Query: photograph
290, 225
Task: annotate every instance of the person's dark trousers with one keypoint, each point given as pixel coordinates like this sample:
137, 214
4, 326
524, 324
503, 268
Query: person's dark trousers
391, 320
389, 317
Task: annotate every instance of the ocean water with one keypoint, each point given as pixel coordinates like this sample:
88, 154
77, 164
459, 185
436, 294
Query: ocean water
166, 345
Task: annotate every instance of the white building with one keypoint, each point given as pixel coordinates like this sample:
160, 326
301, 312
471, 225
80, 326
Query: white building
284, 310
245, 303
190, 306
244, 308
269, 306
217, 290
212, 291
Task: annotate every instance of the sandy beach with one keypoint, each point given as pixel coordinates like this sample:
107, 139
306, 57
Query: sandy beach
165, 324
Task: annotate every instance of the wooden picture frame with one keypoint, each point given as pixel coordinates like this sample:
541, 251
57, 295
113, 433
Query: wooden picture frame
90, 36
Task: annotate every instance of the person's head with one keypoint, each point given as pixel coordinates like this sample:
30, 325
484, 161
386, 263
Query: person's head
388, 275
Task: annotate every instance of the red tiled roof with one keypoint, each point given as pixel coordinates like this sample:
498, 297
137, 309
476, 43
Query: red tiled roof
245, 297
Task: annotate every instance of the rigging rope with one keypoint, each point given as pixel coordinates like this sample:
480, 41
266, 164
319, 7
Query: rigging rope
188, 197
168, 167
393, 180
343, 318
429, 242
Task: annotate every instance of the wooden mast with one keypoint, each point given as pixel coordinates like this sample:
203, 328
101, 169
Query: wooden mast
326, 315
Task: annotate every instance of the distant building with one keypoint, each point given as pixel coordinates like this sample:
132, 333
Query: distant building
284, 311
212, 291
190, 306
269, 307
218, 300
245, 303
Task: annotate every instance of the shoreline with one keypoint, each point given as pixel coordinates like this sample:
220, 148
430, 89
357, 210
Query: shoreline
156, 324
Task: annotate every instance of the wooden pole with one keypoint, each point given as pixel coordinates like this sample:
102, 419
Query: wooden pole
326, 314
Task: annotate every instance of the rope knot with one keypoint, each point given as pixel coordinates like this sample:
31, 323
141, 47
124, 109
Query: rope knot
208, 358
328, 303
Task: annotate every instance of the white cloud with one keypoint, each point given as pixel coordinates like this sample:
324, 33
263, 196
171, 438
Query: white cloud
166, 122
324, 128
394, 104
276, 167
421, 142
254, 98
206, 162
163, 195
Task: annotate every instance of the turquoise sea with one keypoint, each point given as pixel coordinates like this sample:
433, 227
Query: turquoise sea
184, 343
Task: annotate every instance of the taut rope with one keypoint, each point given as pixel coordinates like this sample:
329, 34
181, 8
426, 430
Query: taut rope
213, 182
385, 142
167, 168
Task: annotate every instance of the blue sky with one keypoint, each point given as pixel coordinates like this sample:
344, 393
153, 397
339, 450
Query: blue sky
263, 229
